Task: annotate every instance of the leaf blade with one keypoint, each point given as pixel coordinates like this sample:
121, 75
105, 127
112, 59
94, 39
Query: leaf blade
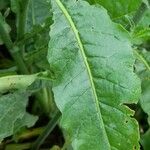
87, 66
72, 90
12, 110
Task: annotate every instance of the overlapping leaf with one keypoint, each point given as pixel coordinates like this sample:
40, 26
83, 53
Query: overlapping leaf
141, 32
13, 113
143, 70
145, 140
16, 82
92, 60
118, 8
38, 12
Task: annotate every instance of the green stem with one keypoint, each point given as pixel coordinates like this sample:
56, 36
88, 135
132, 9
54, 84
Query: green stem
13, 50
53, 122
138, 15
18, 146
30, 134
46, 100
142, 59
21, 22
21, 18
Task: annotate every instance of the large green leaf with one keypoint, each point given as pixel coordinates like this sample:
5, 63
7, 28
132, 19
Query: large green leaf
92, 60
13, 113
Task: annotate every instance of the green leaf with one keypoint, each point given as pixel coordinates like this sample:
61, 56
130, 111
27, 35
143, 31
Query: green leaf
120, 11
92, 60
143, 70
3, 4
37, 47
141, 35
147, 2
38, 13
37, 57
145, 97
13, 112
145, 21
16, 82
145, 140
118, 8
27, 119
141, 32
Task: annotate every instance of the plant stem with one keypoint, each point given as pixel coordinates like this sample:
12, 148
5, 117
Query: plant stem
22, 18
14, 51
18, 146
53, 122
30, 134
21, 22
45, 99
138, 15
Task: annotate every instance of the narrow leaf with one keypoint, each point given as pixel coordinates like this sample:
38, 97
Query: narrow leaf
16, 82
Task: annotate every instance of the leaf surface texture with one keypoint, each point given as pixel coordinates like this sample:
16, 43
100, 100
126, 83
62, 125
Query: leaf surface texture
13, 115
93, 62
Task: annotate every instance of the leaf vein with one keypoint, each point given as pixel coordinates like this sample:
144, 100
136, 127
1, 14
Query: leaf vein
96, 102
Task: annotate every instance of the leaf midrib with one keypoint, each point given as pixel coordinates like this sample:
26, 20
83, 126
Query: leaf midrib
96, 102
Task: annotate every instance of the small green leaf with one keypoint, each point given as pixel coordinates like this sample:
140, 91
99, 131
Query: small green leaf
28, 120
92, 60
16, 82
141, 33
13, 112
38, 13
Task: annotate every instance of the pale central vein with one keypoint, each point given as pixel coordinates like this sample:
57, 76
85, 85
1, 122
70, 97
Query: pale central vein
63, 9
